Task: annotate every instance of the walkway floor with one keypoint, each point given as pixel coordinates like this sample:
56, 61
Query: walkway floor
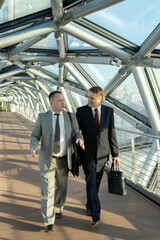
129, 217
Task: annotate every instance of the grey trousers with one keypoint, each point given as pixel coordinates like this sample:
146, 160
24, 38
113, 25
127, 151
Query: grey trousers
53, 189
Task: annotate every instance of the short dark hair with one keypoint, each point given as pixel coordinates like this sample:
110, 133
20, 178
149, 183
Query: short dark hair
98, 90
52, 94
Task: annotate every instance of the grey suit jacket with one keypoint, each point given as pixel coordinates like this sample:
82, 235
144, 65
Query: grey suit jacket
43, 130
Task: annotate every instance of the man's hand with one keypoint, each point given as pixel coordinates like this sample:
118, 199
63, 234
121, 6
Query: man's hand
33, 151
116, 160
80, 143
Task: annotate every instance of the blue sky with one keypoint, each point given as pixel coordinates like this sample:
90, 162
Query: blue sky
131, 19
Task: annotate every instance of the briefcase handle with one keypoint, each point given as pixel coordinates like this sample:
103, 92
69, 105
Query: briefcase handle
114, 167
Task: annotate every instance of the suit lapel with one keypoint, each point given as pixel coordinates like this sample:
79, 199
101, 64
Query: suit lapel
67, 122
49, 122
102, 117
90, 115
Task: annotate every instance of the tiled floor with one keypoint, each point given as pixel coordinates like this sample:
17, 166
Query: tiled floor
128, 217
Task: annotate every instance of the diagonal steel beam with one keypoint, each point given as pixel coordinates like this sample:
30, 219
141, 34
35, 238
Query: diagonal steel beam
40, 74
23, 46
10, 73
27, 33
147, 98
77, 76
57, 9
88, 8
151, 42
95, 41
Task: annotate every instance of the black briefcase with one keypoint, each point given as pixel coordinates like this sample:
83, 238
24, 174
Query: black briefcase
76, 162
116, 181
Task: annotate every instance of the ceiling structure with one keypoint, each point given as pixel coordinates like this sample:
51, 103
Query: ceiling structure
75, 44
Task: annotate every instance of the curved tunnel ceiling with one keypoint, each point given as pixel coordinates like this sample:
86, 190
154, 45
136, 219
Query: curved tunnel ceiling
73, 45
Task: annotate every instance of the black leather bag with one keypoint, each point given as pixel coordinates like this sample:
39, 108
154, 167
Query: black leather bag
76, 162
116, 181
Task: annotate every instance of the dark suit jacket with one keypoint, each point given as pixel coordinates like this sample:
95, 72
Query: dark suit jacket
97, 145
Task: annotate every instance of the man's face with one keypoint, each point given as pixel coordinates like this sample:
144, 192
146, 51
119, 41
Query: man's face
57, 103
94, 100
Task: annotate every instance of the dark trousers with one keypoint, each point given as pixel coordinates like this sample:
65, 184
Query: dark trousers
99, 176
93, 181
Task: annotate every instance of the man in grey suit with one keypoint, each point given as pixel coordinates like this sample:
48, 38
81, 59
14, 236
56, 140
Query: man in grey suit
97, 124
57, 134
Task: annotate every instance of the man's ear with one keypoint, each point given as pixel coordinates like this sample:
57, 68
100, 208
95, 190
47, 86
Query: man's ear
101, 98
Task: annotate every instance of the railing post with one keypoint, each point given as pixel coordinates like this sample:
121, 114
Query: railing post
158, 168
133, 160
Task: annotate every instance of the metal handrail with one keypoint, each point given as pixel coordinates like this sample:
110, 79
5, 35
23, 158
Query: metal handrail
139, 161
140, 133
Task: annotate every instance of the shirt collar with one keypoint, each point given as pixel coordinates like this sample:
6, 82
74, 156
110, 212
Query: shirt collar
53, 113
99, 108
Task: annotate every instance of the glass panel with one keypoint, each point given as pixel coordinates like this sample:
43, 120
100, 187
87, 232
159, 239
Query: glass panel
71, 78
78, 99
53, 68
133, 19
48, 42
52, 87
123, 124
74, 44
128, 94
13, 9
101, 74
157, 73
15, 30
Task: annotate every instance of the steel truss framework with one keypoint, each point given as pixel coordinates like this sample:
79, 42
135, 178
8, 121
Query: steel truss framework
24, 81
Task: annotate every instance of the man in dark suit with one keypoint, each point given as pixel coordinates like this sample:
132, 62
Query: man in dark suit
56, 132
97, 124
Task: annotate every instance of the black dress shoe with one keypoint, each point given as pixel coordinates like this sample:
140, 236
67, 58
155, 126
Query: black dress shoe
49, 228
95, 224
88, 212
59, 215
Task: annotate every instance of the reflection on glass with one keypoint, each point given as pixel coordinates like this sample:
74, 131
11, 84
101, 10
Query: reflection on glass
157, 74
123, 124
53, 68
48, 42
78, 99
52, 87
128, 94
13, 9
133, 19
101, 74
74, 44
71, 78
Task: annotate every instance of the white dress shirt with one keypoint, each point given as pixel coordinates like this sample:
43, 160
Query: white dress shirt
63, 147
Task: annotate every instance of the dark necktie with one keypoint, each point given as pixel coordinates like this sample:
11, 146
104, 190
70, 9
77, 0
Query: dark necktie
56, 146
96, 117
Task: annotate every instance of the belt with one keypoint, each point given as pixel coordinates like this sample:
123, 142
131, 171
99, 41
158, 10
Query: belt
60, 157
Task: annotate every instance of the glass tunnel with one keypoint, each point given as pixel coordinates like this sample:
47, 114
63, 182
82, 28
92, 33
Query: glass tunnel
74, 45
